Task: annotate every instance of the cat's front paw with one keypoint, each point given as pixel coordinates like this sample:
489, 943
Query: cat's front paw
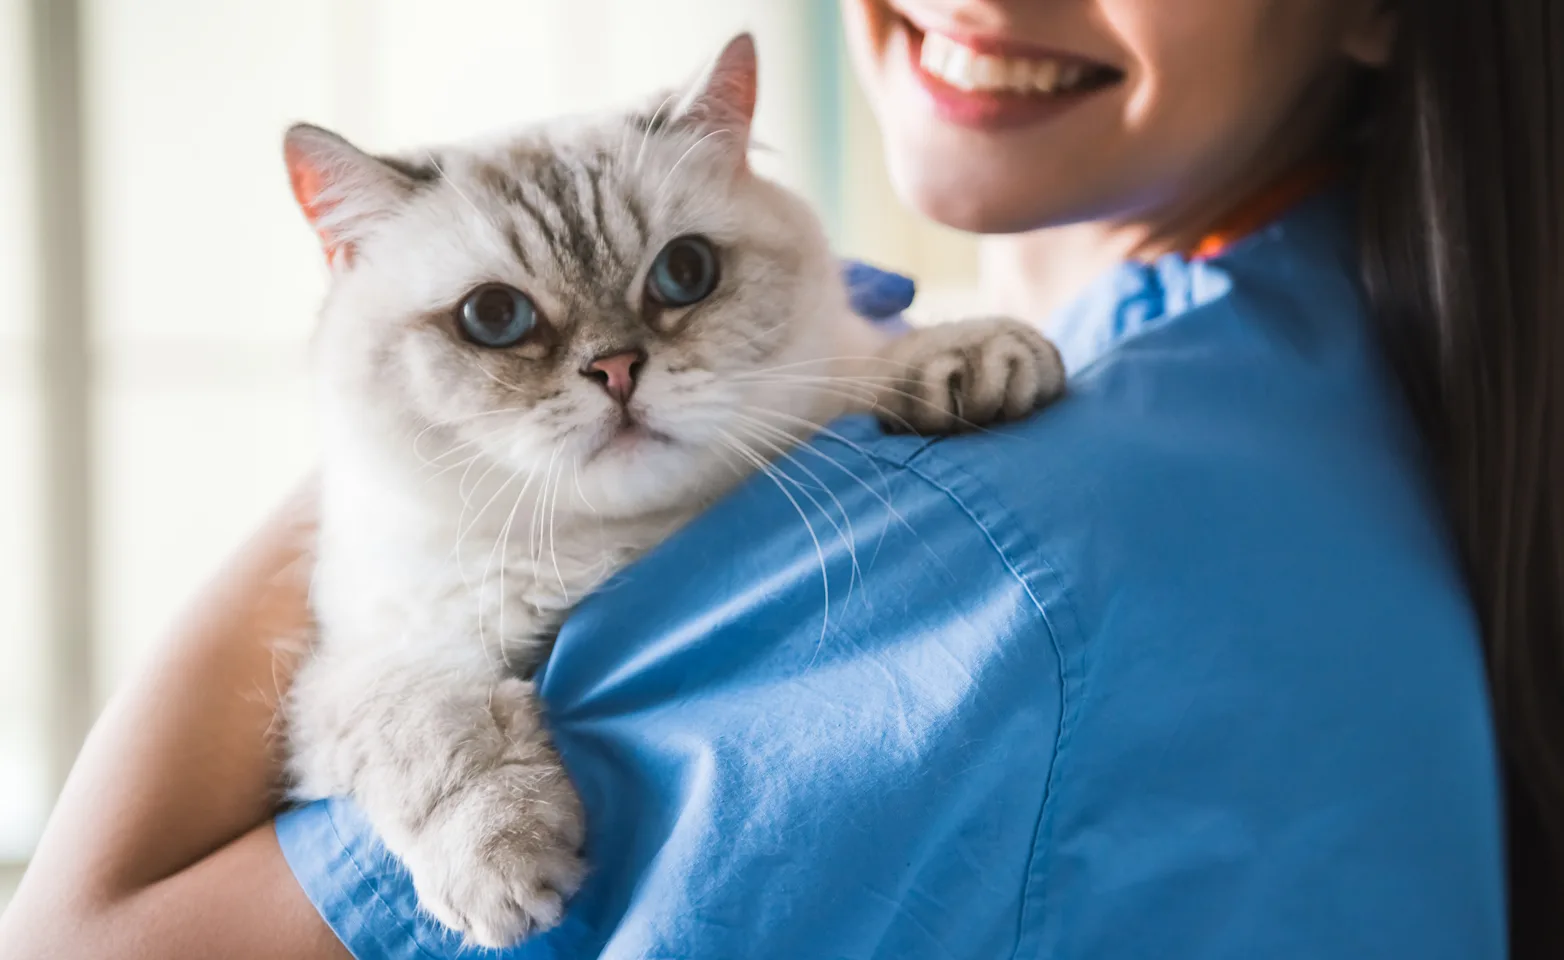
501, 861
968, 374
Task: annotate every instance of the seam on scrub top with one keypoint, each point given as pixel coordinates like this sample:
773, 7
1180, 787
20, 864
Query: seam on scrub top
1067, 698
410, 930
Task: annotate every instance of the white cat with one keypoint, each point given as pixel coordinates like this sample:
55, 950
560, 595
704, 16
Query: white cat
538, 358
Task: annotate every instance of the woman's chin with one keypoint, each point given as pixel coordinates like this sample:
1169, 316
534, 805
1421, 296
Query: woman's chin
942, 179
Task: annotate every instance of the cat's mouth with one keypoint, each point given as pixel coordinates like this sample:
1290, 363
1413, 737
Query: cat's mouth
629, 434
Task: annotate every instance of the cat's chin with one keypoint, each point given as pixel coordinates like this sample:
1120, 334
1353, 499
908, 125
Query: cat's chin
641, 471
629, 442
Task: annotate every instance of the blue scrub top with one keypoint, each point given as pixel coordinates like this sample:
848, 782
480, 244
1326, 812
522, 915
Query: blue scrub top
1182, 667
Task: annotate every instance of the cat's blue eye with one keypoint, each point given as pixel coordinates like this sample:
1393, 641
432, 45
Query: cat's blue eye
496, 315
684, 272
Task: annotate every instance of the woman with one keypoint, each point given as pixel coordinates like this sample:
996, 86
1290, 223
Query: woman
1183, 667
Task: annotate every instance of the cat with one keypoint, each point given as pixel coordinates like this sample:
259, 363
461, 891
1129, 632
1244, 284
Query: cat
537, 358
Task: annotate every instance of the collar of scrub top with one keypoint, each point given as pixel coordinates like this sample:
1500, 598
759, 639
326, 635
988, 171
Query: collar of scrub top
1266, 206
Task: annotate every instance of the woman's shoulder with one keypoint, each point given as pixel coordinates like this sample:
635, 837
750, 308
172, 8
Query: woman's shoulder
1270, 668
1238, 489
1253, 446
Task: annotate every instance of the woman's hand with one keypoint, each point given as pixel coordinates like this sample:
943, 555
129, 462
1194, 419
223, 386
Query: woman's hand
161, 845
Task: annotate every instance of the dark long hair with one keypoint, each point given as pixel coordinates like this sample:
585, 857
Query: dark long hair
1463, 255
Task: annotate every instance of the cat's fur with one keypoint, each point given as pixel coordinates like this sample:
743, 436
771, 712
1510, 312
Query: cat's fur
471, 496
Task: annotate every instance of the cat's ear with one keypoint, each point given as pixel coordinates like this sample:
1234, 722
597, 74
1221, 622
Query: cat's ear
723, 100
341, 189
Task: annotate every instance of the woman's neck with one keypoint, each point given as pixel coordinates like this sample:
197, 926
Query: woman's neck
1032, 275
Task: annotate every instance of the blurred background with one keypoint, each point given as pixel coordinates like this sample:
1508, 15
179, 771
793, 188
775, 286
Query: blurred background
157, 285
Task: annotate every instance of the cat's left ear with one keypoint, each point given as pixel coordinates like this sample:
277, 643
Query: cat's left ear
722, 102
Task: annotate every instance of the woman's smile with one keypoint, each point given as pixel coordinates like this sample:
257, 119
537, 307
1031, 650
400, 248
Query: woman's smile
985, 82
987, 79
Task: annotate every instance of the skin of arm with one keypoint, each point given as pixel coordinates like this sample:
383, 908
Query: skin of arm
161, 845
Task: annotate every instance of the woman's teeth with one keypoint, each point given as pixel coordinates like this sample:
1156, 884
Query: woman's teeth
966, 69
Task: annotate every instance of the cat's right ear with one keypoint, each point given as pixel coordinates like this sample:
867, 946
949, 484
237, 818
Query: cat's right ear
341, 189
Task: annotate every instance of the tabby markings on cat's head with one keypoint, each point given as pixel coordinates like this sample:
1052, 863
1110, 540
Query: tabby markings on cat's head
616, 297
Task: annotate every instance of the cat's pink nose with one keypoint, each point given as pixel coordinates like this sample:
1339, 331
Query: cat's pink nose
616, 372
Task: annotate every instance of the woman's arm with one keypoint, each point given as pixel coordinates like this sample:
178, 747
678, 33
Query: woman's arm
161, 845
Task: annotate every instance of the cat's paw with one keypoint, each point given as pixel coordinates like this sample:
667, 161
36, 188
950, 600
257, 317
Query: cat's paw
968, 374
502, 860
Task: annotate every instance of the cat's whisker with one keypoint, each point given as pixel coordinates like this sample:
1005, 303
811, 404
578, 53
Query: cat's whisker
760, 464
759, 336
844, 530
861, 384
486, 372
650, 125
469, 417
827, 384
533, 549
883, 498
876, 385
433, 162
813, 428
618, 156
488, 562
553, 513
466, 502
464, 465
575, 469
871, 358
504, 544
466, 491
668, 177
539, 511
462, 528
439, 461
417, 438
468, 442
867, 380
546, 533
864, 398
479, 592
833, 385
435, 460
483, 214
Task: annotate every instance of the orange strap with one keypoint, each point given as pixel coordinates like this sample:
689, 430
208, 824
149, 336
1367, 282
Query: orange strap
1265, 206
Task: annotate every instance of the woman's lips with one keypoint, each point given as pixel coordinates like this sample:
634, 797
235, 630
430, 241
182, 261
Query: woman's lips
991, 85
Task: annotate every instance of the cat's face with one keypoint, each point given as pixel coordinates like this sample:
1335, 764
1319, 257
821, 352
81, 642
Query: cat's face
595, 304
